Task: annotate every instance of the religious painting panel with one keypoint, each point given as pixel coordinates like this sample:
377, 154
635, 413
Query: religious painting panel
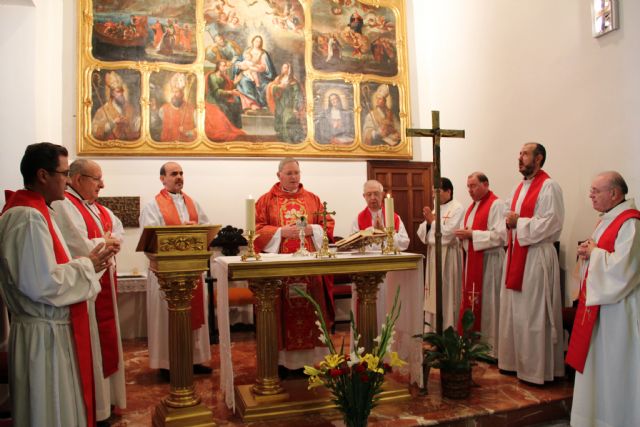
115, 105
354, 37
333, 117
172, 112
240, 78
380, 115
154, 31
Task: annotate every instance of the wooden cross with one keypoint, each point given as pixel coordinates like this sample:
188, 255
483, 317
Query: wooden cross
436, 133
324, 214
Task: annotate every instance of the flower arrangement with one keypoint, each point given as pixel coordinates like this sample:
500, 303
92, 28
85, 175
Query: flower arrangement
355, 379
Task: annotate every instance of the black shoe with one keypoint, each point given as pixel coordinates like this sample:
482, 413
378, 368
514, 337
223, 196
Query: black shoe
103, 423
510, 373
201, 369
164, 374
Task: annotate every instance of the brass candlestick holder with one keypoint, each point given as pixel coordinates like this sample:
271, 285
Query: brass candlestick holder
388, 247
324, 251
250, 253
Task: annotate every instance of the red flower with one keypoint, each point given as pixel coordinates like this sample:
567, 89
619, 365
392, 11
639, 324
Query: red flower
361, 367
364, 378
386, 367
335, 372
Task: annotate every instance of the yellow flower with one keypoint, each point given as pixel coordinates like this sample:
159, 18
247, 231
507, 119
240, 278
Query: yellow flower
372, 363
395, 360
311, 371
332, 360
314, 382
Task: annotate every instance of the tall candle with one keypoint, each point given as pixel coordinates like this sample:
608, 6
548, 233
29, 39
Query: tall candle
250, 205
388, 211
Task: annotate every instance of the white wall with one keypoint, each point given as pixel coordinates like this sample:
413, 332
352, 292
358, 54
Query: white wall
506, 71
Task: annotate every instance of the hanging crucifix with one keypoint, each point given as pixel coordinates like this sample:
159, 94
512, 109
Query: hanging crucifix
436, 133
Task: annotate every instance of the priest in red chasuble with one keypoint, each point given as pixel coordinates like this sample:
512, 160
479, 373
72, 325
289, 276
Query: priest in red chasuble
276, 214
483, 238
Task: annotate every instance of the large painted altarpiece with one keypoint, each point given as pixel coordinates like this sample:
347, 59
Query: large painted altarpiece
308, 78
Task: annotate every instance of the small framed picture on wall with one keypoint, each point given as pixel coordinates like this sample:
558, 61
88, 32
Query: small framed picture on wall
605, 16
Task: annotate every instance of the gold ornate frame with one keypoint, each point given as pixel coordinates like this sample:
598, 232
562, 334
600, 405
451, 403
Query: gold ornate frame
96, 75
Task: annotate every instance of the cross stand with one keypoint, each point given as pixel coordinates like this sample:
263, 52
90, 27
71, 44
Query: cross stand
324, 250
436, 133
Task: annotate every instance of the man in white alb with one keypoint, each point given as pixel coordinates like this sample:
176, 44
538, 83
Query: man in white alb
85, 223
483, 237
605, 341
173, 207
452, 213
531, 334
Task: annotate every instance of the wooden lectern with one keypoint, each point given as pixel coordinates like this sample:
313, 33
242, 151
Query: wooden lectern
178, 255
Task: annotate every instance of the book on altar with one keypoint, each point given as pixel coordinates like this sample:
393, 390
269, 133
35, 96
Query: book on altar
361, 238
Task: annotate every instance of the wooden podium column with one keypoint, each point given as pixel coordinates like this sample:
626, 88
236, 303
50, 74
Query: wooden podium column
178, 255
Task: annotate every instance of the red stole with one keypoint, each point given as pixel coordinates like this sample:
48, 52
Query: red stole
365, 219
586, 316
78, 313
472, 283
172, 217
104, 302
516, 254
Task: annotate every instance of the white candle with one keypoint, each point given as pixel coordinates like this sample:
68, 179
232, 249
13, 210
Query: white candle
388, 211
250, 205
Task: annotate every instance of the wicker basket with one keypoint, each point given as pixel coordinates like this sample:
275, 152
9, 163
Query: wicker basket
456, 384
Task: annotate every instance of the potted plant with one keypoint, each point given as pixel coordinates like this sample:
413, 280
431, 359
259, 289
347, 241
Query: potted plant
229, 239
454, 354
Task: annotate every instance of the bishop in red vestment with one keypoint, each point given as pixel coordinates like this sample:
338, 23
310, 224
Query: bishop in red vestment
276, 215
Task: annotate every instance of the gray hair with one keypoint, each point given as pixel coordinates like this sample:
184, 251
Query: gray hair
285, 161
373, 181
79, 166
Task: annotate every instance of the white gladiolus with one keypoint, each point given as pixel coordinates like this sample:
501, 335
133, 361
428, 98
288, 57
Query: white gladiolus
322, 339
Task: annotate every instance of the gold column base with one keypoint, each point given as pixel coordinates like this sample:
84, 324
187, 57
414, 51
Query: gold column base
300, 401
198, 415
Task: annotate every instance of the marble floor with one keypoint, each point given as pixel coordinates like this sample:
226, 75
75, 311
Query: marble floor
496, 400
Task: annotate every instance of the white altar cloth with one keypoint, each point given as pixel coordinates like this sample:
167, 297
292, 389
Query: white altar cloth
410, 321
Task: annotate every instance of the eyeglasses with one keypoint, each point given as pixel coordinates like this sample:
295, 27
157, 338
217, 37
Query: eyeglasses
63, 173
96, 179
594, 190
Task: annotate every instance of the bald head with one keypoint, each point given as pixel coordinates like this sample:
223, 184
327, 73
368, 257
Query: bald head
86, 179
608, 190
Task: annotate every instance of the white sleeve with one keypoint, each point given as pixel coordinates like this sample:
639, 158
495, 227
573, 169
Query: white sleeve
202, 217
547, 219
453, 223
496, 234
273, 246
422, 232
317, 235
150, 215
401, 238
613, 276
117, 229
354, 227
31, 261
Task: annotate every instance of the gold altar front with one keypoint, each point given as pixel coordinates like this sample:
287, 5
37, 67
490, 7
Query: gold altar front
178, 255
269, 397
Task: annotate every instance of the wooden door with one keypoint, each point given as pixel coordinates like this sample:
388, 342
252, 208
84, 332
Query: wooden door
410, 184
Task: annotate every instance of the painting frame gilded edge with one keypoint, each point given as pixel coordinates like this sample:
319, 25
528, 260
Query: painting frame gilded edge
145, 146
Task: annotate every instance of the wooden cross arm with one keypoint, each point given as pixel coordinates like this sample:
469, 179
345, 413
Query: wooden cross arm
444, 133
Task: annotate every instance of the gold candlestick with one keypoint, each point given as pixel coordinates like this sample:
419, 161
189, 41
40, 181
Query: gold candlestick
324, 251
250, 253
388, 247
